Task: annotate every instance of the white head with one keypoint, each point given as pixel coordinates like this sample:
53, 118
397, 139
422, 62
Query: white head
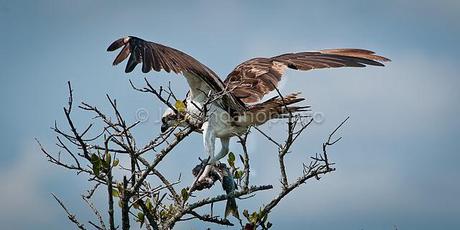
169, 119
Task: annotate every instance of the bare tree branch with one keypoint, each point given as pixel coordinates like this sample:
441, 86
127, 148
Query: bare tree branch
71, 216
107, 153
96, 212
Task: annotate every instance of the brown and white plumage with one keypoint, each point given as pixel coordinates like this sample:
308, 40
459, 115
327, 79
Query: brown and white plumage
244, 87
157, 57
275, 107
253, 79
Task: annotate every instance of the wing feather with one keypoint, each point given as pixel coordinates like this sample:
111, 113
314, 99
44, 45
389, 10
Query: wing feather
253, 79
122, 55
157, 57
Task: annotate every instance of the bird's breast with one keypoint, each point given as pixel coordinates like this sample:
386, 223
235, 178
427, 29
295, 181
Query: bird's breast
220, 120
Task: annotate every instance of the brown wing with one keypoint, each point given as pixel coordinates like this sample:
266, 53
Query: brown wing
253, 79
159, 57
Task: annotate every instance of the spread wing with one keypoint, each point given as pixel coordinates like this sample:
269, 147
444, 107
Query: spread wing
157, 57
253, 79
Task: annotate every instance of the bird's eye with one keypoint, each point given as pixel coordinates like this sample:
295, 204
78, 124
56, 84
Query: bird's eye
163, 119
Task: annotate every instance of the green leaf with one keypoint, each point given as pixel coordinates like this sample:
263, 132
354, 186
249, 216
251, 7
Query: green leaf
108, 158
94, 158
231, 159
96, 169
115, 193
180, 106
246, 214
148, 204
140, 218
231, 156
96, 161
115, 162
239, 174
254, 217
184, 193
163, 214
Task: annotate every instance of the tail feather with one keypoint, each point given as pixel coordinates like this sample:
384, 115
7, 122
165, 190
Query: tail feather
231, 208
275, 107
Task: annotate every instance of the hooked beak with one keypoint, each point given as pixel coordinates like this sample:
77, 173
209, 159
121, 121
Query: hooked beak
164, 128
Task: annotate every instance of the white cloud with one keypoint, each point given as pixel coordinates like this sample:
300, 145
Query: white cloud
21, 194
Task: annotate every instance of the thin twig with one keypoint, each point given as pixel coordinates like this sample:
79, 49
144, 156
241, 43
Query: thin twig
71, 216
96, 212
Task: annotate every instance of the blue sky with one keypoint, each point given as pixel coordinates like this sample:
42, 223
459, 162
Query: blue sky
396, 165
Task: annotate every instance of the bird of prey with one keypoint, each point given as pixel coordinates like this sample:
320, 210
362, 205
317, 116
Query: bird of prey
239, 104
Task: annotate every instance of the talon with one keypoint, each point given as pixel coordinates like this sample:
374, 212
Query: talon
205, 173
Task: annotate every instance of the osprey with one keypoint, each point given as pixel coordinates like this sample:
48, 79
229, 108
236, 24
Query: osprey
237, 105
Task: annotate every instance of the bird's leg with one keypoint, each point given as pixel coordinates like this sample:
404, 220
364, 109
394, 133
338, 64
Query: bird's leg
225, 141
209, 140
214, 160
